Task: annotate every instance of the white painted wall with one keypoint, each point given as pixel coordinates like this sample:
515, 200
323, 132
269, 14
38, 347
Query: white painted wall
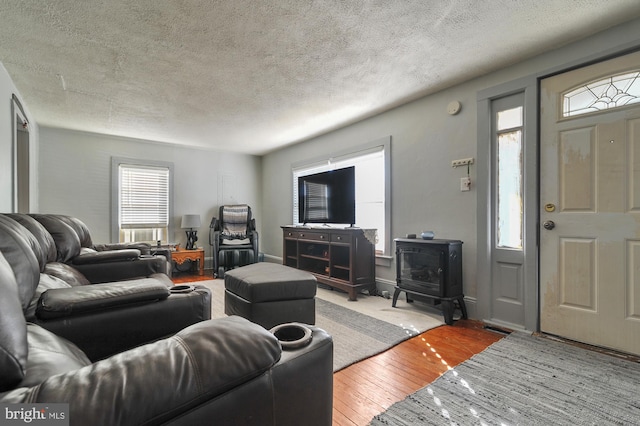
75, 171
7, 90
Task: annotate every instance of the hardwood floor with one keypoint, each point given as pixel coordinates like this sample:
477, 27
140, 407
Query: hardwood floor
369, 387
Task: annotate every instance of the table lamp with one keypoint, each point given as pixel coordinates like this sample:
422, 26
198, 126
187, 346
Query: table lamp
190, 221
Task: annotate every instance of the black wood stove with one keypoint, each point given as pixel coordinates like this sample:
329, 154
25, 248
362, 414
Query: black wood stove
431, 269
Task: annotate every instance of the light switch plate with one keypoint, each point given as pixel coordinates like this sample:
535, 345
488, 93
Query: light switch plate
465, 184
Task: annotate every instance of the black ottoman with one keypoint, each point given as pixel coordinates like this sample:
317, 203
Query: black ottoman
270, 294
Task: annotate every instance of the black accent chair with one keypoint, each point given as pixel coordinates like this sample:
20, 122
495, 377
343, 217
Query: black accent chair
233, 238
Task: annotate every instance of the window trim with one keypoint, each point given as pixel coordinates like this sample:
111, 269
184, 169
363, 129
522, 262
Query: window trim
116, 162
385, 143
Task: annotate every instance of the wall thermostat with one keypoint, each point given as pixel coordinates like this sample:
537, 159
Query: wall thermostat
454, 107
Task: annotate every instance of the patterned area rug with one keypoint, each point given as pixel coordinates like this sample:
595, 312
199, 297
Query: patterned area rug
356, 336
527, 380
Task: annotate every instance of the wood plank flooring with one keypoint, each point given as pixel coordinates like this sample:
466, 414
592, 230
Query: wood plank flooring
369, 387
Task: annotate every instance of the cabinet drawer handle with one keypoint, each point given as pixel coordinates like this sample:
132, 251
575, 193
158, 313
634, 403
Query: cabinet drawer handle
322, 237
338, 238
302, 235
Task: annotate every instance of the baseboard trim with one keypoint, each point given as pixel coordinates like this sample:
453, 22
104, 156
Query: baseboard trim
272, 259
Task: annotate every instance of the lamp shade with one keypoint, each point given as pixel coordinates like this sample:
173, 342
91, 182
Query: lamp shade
190, 221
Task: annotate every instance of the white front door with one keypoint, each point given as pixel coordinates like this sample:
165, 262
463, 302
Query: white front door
590, 206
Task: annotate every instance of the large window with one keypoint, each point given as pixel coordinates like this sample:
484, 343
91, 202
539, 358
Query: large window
371, 184
142, 195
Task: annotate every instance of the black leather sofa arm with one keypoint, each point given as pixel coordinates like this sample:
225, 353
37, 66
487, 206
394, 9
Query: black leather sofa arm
103, 272
106, 256
297, 390
157, 382
294, 397
110, 331
66, 302
145, 248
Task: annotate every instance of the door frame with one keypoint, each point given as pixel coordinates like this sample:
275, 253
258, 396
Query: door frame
530, 86
20, 158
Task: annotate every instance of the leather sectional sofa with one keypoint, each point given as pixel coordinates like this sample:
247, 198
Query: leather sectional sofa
131, 352
100, 319
99, 262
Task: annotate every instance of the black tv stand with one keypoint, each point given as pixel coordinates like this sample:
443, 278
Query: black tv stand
342, 258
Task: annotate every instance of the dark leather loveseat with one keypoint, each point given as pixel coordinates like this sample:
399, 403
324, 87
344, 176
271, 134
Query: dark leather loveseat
225, 371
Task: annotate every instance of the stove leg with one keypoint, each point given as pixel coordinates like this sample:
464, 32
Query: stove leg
395, 297
463, 307
447, 311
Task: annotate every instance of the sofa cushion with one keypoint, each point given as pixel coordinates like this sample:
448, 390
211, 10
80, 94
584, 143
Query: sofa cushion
66, 238
49, 355
46, 252
13, 330
81, 230
16, 244
66, 273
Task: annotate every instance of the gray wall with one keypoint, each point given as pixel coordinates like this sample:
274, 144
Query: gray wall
75, 179
425, 189
425, 139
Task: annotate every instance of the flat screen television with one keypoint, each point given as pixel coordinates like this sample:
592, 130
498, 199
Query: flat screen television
328, 197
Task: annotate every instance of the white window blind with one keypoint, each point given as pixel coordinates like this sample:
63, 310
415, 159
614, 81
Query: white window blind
144, 196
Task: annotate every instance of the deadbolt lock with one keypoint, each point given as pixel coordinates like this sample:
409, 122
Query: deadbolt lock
550, 207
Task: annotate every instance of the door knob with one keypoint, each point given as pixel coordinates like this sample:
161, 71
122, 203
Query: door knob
549, 225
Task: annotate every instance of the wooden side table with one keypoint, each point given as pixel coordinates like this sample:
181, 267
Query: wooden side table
197, 255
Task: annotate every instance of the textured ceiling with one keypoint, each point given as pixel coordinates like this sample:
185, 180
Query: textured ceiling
252, 76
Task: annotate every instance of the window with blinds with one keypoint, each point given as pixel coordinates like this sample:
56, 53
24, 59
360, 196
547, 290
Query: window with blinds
143, 203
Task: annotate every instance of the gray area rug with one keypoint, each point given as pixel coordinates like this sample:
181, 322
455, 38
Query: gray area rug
356, 336
527, 380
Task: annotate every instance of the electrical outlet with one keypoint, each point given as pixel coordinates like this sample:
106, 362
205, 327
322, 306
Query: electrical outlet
465, 184
462, 162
